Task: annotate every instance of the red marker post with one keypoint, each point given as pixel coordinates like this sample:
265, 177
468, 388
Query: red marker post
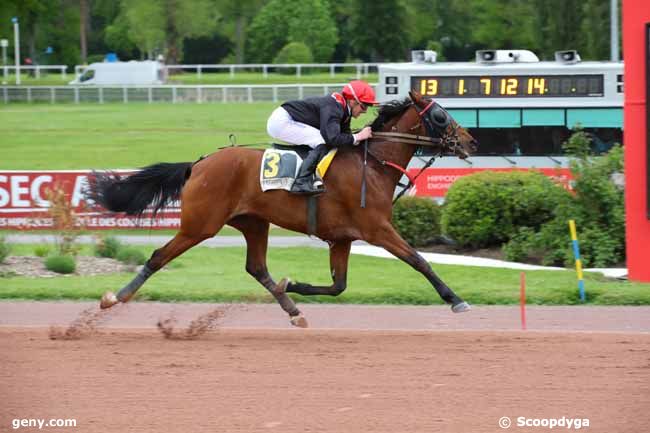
522, 300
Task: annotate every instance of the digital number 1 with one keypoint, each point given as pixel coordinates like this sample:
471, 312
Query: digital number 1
461, 87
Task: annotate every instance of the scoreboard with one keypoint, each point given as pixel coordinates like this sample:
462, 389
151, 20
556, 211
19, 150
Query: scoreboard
509, 86
502, 85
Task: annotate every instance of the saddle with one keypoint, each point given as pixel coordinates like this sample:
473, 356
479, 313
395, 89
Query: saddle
281, 163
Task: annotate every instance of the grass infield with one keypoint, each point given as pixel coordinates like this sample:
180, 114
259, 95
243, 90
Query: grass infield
69, 136
218, 275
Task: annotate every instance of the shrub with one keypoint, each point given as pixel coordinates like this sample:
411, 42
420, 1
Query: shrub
5, 249
417, 220
42, 251
108, 247
64, 220
597, 206
62, 264
488, 208
294, 52
131, 256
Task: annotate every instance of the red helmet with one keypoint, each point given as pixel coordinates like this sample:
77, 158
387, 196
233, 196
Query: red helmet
360, 91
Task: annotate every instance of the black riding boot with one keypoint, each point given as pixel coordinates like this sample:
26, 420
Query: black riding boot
306, 181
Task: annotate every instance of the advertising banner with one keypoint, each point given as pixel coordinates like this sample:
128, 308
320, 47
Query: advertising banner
435, 182
24, 202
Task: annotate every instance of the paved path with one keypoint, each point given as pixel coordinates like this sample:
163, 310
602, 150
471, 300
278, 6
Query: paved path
217, 241
358, 247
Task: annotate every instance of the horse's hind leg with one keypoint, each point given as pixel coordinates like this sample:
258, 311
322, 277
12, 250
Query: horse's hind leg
177, 246
256, 232
339, 255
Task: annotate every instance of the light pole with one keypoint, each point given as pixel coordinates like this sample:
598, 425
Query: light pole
4, 43
613, 31
16, 48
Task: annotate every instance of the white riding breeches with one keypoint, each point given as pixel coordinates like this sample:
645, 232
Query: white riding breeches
282, 127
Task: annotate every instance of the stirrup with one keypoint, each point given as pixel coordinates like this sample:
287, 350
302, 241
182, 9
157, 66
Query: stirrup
310, 187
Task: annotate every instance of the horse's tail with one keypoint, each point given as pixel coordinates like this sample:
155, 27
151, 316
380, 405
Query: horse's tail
156, 185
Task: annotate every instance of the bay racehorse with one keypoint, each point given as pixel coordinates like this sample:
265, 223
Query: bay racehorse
223, 188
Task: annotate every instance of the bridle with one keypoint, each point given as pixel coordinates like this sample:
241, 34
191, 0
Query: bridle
434, 118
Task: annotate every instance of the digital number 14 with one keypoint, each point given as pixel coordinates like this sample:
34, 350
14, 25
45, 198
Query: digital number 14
536, 85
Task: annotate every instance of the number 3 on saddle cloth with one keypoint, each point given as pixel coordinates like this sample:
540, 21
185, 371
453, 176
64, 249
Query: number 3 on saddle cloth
280, 165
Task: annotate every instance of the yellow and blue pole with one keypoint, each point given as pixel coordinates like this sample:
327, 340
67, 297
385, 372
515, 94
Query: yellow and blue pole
576, 255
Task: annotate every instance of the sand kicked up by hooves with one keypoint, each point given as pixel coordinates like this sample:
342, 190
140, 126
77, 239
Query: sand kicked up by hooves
82, 326
196, 328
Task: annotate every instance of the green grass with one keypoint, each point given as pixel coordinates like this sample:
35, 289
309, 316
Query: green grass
217, 275
217, 78
223, 78
70, 136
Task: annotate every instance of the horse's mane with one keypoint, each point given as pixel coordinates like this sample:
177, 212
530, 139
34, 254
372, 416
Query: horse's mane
388, 111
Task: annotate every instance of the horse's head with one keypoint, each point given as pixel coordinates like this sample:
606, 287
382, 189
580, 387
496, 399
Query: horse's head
436, 122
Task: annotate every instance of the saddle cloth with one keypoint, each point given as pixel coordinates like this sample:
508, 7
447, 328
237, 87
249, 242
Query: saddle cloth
280, 166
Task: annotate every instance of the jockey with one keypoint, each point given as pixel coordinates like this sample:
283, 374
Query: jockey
319, 122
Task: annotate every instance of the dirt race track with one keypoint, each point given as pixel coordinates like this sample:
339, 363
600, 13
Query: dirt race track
357, 369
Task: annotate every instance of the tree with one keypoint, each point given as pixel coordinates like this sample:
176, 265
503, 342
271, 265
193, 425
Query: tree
559, 25
162, 25
106, 33
443, 25
378, 30
84, 17
146, 21
342, 11
44, 23
187, 18
503, 24
595, 29
237, 15
282, 21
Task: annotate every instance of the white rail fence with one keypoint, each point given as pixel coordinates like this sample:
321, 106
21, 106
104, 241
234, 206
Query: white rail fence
164, 93
361, 69
36, 69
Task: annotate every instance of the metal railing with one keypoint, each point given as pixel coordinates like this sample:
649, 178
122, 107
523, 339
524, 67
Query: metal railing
36, 68
361, 69
164, 93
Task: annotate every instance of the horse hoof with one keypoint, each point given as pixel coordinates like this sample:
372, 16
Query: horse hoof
281, 287
108, 300
461, 307
299, 321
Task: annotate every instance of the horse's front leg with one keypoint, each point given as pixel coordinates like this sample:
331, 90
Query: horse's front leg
339, 255
387, 237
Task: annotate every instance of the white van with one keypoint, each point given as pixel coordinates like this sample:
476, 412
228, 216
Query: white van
122, 73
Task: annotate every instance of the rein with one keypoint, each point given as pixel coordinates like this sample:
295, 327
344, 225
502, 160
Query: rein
401, 137
405, 138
